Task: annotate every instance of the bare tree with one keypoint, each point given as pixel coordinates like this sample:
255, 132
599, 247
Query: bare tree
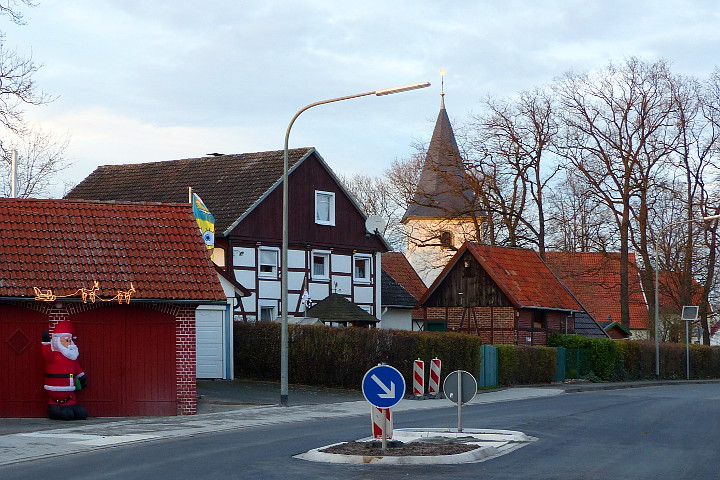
576, 221
17, 87
376, 197
41, 156
514, 168
614, 136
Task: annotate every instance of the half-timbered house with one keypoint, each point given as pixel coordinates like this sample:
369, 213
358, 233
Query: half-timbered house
330, 250
504, 295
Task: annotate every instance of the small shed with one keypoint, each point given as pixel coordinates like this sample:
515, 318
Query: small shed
129, 276
338, 310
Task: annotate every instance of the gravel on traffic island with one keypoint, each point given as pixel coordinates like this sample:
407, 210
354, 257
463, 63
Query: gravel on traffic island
423, 446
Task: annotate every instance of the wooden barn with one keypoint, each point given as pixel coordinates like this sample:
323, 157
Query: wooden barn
504, 295
129, 276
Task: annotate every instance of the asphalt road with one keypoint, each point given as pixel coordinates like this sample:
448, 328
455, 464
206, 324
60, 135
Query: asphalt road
657, 433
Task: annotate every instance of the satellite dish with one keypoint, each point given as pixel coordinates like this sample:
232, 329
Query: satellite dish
375, 224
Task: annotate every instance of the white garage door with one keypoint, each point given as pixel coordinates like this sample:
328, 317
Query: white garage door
211, 348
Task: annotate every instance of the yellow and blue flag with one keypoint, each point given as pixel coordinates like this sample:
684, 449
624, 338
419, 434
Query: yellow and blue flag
205, 220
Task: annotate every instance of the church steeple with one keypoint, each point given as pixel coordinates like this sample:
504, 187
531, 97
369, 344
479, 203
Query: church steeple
440, 192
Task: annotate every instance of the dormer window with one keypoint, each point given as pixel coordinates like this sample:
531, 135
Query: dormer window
324, 208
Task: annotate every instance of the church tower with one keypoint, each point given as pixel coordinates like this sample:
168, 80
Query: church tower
441, 216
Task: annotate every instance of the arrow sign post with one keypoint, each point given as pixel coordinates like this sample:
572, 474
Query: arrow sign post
383, 386
460, 387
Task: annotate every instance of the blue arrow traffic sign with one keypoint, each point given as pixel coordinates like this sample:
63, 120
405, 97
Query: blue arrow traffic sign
383, 386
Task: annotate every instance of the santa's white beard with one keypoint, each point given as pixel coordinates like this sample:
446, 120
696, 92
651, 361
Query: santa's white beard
70, 352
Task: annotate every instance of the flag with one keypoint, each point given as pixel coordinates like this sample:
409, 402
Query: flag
205, 220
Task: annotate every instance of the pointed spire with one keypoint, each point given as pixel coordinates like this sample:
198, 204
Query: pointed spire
440, 190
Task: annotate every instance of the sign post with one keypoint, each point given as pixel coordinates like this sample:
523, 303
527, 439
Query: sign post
383, 386
460, 387
689, 314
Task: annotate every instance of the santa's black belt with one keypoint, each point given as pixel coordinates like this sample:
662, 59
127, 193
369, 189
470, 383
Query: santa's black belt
59, 375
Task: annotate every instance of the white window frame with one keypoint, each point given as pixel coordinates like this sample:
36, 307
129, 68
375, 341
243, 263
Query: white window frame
275, 267
324, 254
331, 207
368, 270
267, 306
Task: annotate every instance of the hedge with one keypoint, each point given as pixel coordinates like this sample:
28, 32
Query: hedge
521, 365
339, 357
615, 360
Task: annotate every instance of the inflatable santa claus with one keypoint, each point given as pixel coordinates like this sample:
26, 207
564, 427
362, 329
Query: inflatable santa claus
63, 375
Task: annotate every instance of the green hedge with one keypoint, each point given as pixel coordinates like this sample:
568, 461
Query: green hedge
614, 360
339, 357
521, 365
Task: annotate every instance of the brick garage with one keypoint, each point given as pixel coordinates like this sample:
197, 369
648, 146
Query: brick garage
139, 357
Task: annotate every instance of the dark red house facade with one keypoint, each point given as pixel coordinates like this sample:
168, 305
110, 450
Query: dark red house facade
330, 250
129, 276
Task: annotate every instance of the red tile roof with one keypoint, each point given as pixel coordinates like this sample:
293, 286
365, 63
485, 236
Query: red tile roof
671, 290
521, 275
594, 278
64, 245
398, 267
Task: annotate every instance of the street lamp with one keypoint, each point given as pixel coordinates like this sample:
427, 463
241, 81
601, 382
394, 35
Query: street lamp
657, 284
285, 233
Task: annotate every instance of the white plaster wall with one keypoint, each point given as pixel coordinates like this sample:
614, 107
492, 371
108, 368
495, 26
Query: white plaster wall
269, 289
296, 258
249, 302
243, 257
344, 284
363, 294
246, 278
396, 319
341, 263
295, 280
318, 291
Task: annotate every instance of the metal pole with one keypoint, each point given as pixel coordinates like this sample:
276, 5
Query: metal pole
687, 350
384, 429
657, 316
13, 174
285, 232
657, 284
460, 397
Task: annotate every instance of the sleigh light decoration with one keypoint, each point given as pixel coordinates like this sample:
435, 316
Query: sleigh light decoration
85, 294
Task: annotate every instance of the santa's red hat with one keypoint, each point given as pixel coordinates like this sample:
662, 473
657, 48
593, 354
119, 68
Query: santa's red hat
64, 328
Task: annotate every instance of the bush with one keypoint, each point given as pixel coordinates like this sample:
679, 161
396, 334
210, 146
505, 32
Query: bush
619, 360
521, 365
339, 357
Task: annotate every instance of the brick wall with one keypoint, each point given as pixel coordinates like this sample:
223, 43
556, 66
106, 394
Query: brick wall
499, 325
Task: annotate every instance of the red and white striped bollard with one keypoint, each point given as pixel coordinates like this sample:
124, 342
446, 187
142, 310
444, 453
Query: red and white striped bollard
434, 383
418, 378
376, 414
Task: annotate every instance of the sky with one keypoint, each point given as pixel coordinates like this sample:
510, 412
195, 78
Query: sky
152, 80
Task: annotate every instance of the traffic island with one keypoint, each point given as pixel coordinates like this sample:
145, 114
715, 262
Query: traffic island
414, 446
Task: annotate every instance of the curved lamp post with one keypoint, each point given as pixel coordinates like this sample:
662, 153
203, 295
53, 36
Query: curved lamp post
657, 284
284, 252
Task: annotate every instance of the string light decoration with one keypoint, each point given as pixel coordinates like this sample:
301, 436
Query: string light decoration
86, 294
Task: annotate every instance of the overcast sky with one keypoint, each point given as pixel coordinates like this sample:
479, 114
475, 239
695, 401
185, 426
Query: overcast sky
150, 80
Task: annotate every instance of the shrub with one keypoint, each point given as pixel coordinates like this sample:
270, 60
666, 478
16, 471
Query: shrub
339, 357
521, 365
